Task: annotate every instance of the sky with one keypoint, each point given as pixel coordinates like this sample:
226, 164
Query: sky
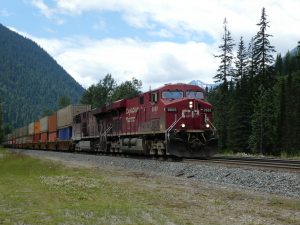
155, 41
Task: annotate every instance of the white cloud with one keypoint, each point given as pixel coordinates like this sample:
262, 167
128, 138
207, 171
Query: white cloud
183, 17
43, 7
45, 10
88, 60
155, 63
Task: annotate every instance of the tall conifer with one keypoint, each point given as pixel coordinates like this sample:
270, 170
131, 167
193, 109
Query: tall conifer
226, 56
224, 71
263, 51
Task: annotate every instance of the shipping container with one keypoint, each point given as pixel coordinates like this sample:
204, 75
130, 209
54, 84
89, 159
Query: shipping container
36, 137
52, 137
65, 133
65, 116
25, 139
44, 124
14, 134
18, 134
31, 128
37, 127
30, 139
24, 131
52, 123
44, 137
9, 137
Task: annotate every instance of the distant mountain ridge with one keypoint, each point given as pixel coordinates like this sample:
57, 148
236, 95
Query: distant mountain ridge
202, 84
31, 81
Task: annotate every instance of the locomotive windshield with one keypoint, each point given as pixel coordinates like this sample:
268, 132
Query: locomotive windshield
195, 94
172, 94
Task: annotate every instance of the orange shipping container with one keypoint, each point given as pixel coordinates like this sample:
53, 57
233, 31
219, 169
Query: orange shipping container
37, 127
52, 137
44, 137
52, 123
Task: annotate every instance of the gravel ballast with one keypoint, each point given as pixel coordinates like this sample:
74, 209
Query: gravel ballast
262, 180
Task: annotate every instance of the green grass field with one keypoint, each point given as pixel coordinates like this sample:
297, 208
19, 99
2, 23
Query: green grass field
39, 192
33, 191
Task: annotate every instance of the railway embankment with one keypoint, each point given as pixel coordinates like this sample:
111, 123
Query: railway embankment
262, 180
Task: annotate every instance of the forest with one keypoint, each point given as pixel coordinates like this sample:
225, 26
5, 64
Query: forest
257, 101
31, 81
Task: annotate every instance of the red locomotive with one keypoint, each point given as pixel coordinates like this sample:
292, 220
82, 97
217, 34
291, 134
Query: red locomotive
171, 120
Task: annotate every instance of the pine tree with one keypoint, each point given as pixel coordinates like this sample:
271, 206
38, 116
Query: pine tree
278, 64
226, 56
251, 62
63, 101
240, 105
224, 71
263, 51
240, 62
263, 123
100, 94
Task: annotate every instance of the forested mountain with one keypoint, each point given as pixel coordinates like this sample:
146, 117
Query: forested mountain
257, 104
31, 81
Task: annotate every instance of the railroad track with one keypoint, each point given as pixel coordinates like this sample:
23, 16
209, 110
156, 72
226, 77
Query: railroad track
269, 163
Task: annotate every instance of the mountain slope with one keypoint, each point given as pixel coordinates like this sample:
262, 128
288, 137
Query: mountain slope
203, 85
31, 82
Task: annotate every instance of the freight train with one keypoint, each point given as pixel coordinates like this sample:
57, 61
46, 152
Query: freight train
172, 120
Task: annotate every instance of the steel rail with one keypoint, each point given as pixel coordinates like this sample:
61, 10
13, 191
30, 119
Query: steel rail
252, 162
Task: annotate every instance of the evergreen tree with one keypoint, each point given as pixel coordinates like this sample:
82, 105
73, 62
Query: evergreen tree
100, 94
278, 64
226, 56
63, 101
127, 89
281, 124
263, 52
221, 96
240, 62
240, 109
263, 124
287, 66
251, 62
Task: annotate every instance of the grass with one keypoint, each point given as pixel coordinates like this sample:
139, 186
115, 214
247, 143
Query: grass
283, 154
43, 192
38, 192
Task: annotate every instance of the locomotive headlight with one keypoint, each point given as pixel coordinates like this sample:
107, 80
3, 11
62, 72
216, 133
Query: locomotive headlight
190, 104
207, 125
182, 125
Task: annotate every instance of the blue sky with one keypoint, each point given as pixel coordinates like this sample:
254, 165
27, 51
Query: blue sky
157, 41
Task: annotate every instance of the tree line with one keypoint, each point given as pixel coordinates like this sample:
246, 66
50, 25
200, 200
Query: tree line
257, 101
107, 91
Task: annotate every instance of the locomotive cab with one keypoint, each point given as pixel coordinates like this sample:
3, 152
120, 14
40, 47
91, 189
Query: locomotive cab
189, 130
